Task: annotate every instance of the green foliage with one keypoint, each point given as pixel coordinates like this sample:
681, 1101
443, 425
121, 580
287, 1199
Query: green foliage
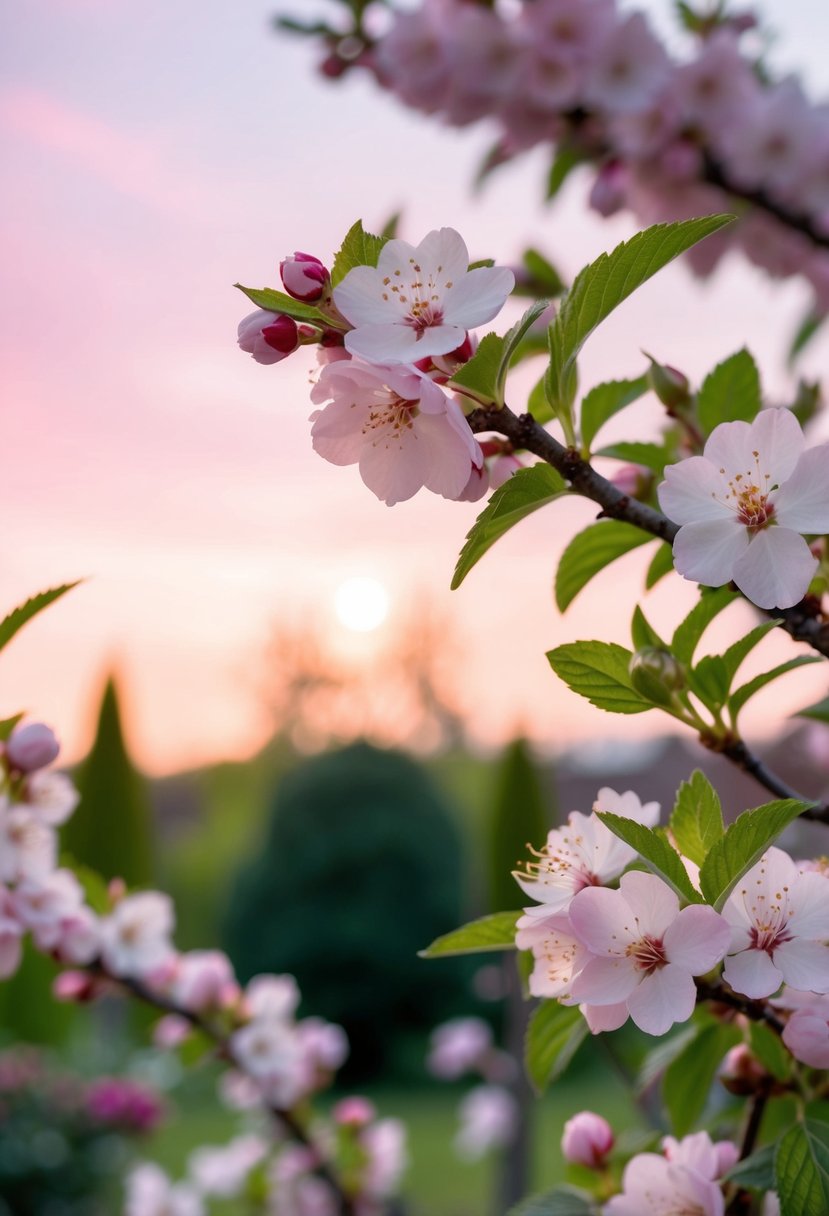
739, 650
111, 832
545, 279
590, 551
746, 691
493, 932
743, 844
28, 1011
600, 672
819, 712
730, 393
801, 1169
696, 821
523, 493
662, 564
810, 325
566, 158
563, 1201
359, 248
360, 865
7, 725
769, 1050
520, 813
278, 301
604, 284
483, 377
605, 400
653, 456
11, 624
554, 1035
755, 1173
688, 633
655, 851
689, 1077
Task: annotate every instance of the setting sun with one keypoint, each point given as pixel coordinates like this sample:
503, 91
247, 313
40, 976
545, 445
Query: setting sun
361, 604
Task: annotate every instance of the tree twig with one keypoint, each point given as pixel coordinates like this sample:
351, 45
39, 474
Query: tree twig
756, 1011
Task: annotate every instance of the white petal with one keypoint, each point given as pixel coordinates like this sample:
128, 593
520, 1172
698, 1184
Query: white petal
777, 436
605, 981
752, 973
809, 899
689, 492
803, 502
665, 997
479, 296
804, 965
776, 569
603, 920
605, 1017
697, 939
336, 434
446, 457
707, 552
729, 448
359, 297
652, 902
443, 254
391, 469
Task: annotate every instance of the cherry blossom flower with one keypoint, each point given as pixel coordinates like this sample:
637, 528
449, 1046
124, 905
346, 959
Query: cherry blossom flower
28, 848
646, 951
459, 1046
488, 1114
587, 1139
151, 1193
806, 1034
384, 1143
222, 1172
419, 300
204, 979
135, 937
681, 1181
743, 504
51, 796
400, 428
779, 920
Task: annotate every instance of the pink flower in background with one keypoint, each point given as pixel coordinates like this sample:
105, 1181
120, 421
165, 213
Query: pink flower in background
779, 920
400, 428
710, 1158
419, 300
11, 933
683, 1181
121, 1101
488, 1114
459, 1046
743, 504
384, 1143
204, 979
628, 69
223, 1171
31, 747
28, 848
135, 937
51, 796
268, 336
806, 1034
646, 951
587, 1139
151, 1193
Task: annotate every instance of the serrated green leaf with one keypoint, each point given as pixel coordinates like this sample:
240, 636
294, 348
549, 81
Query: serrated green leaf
605, 400
546, 278
589, 552
643, 633
478, 378
652, 456
495, 932
801, 1169
662, 564
811, 323
696, 820
755, 1173
743, 844
734, 655
688, 1079
746, 691
709, 680
605, 284
769, 1050
565, 160
554, 1034
688, 633
359, 248
655, 851
278, 301
537, 403
563, 1201
730, 393
11, 624
819, 712
599, 672
7, 725
526, 491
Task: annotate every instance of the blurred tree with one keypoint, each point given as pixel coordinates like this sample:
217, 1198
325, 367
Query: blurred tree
112, 829
360, 869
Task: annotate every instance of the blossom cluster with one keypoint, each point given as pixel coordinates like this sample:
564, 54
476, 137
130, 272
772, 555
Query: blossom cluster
489, 1111
670, 139
392, 336
278, 1059
630, 950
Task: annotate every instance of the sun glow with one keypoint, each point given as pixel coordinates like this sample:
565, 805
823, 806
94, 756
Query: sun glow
361, 604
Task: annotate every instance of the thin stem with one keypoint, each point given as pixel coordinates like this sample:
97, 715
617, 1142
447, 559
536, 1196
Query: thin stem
738, 753
741, 1201
756, 1011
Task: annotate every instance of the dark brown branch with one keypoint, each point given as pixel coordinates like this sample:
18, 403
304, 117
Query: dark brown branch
737, 752
721, 994
798, 221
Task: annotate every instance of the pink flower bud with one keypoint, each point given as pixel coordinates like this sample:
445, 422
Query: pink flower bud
502, 468
74, 986
170, 1031
304, 277
609, 192
353, 1112
31, 747
587, 1139
630, 479
268, 336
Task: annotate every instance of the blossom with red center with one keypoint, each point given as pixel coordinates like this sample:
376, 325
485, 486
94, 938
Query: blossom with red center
743, 505
779, 920
419, 300
645, 950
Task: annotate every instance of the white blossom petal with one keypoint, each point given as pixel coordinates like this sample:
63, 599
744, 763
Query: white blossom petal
752, 973
479, 296
804, 964
803, 502
776, 435
776, 568
666, 996
689, 492
707, 552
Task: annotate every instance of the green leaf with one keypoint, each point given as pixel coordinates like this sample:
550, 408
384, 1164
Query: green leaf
801, 1169
604, 284
589, 552
643, 633
652, 455
658, 1058
806, 330
537, 403
599, 672
277, 301
735, 653
482, 264
769, 1050
563, 1201
709, 680
7, 725
523, 493
746, 691
655, 851
696, 820
495, 932
15, 621
689, 1077
554, 1035
546, 278
755, 1173
662, 564
742, 845
605, 400
730, 393
565, 160
478, 378
819, 712
688, 633
96, 892
360, 248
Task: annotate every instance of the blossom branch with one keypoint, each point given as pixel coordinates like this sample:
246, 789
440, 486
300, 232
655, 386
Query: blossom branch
757, 1011
738, 753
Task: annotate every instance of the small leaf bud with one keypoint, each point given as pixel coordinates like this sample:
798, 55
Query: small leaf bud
670, 385
656, 674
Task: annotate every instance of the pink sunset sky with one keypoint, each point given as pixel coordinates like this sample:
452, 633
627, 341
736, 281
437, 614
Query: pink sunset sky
154, 154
